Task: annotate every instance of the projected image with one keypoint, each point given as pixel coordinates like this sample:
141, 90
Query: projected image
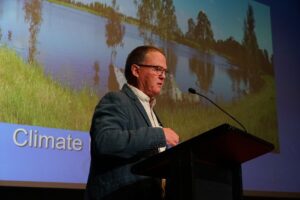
59, 57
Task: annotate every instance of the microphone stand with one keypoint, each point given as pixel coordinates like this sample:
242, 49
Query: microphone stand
193, 91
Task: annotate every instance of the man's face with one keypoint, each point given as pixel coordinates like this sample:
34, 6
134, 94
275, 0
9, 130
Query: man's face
149, 79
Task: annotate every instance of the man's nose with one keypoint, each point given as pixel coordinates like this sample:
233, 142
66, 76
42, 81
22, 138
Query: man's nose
162, 75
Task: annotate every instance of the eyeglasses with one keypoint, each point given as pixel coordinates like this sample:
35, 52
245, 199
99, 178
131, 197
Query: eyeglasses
157, 69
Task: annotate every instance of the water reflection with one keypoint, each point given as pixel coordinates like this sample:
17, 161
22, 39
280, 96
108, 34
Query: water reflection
112, 79
114, 33
33, 15
96, 74
114, 30
9, 35
172, 59
204, 71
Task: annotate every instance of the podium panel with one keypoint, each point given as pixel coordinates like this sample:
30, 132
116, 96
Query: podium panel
191, 178
213, 182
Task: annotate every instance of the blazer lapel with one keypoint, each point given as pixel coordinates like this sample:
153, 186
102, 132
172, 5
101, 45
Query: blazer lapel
160, 123
136, 102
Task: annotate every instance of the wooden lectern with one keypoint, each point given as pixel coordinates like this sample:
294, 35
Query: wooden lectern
206, 167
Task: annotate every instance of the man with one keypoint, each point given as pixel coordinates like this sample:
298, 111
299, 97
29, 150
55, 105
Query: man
125, 130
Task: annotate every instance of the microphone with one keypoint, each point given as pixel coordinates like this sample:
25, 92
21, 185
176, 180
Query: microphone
193, 91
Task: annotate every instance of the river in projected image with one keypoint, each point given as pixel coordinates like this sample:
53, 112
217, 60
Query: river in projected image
76, 50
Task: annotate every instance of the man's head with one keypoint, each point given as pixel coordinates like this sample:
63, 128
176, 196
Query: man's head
146, 69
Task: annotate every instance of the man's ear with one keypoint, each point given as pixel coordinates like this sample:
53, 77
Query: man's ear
135, 70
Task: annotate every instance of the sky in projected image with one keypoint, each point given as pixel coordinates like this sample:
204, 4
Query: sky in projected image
222, 49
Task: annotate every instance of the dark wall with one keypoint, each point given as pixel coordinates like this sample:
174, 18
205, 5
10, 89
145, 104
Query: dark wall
40, 193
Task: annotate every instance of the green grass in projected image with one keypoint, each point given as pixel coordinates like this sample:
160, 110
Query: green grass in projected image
28, 96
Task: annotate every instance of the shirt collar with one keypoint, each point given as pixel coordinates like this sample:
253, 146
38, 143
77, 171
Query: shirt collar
142, 96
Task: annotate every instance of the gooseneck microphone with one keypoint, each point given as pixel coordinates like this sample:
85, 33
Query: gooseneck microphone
193, 91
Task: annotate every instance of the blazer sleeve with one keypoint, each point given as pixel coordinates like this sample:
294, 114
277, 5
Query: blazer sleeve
119, 129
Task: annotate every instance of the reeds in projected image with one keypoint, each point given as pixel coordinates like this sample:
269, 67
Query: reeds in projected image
28, 96
257, 112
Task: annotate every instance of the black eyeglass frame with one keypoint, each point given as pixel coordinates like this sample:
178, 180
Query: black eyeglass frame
158, 69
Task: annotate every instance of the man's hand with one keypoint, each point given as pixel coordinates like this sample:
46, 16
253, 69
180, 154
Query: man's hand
172, 138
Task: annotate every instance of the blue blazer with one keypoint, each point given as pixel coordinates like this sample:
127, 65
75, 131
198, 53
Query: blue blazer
121, 135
